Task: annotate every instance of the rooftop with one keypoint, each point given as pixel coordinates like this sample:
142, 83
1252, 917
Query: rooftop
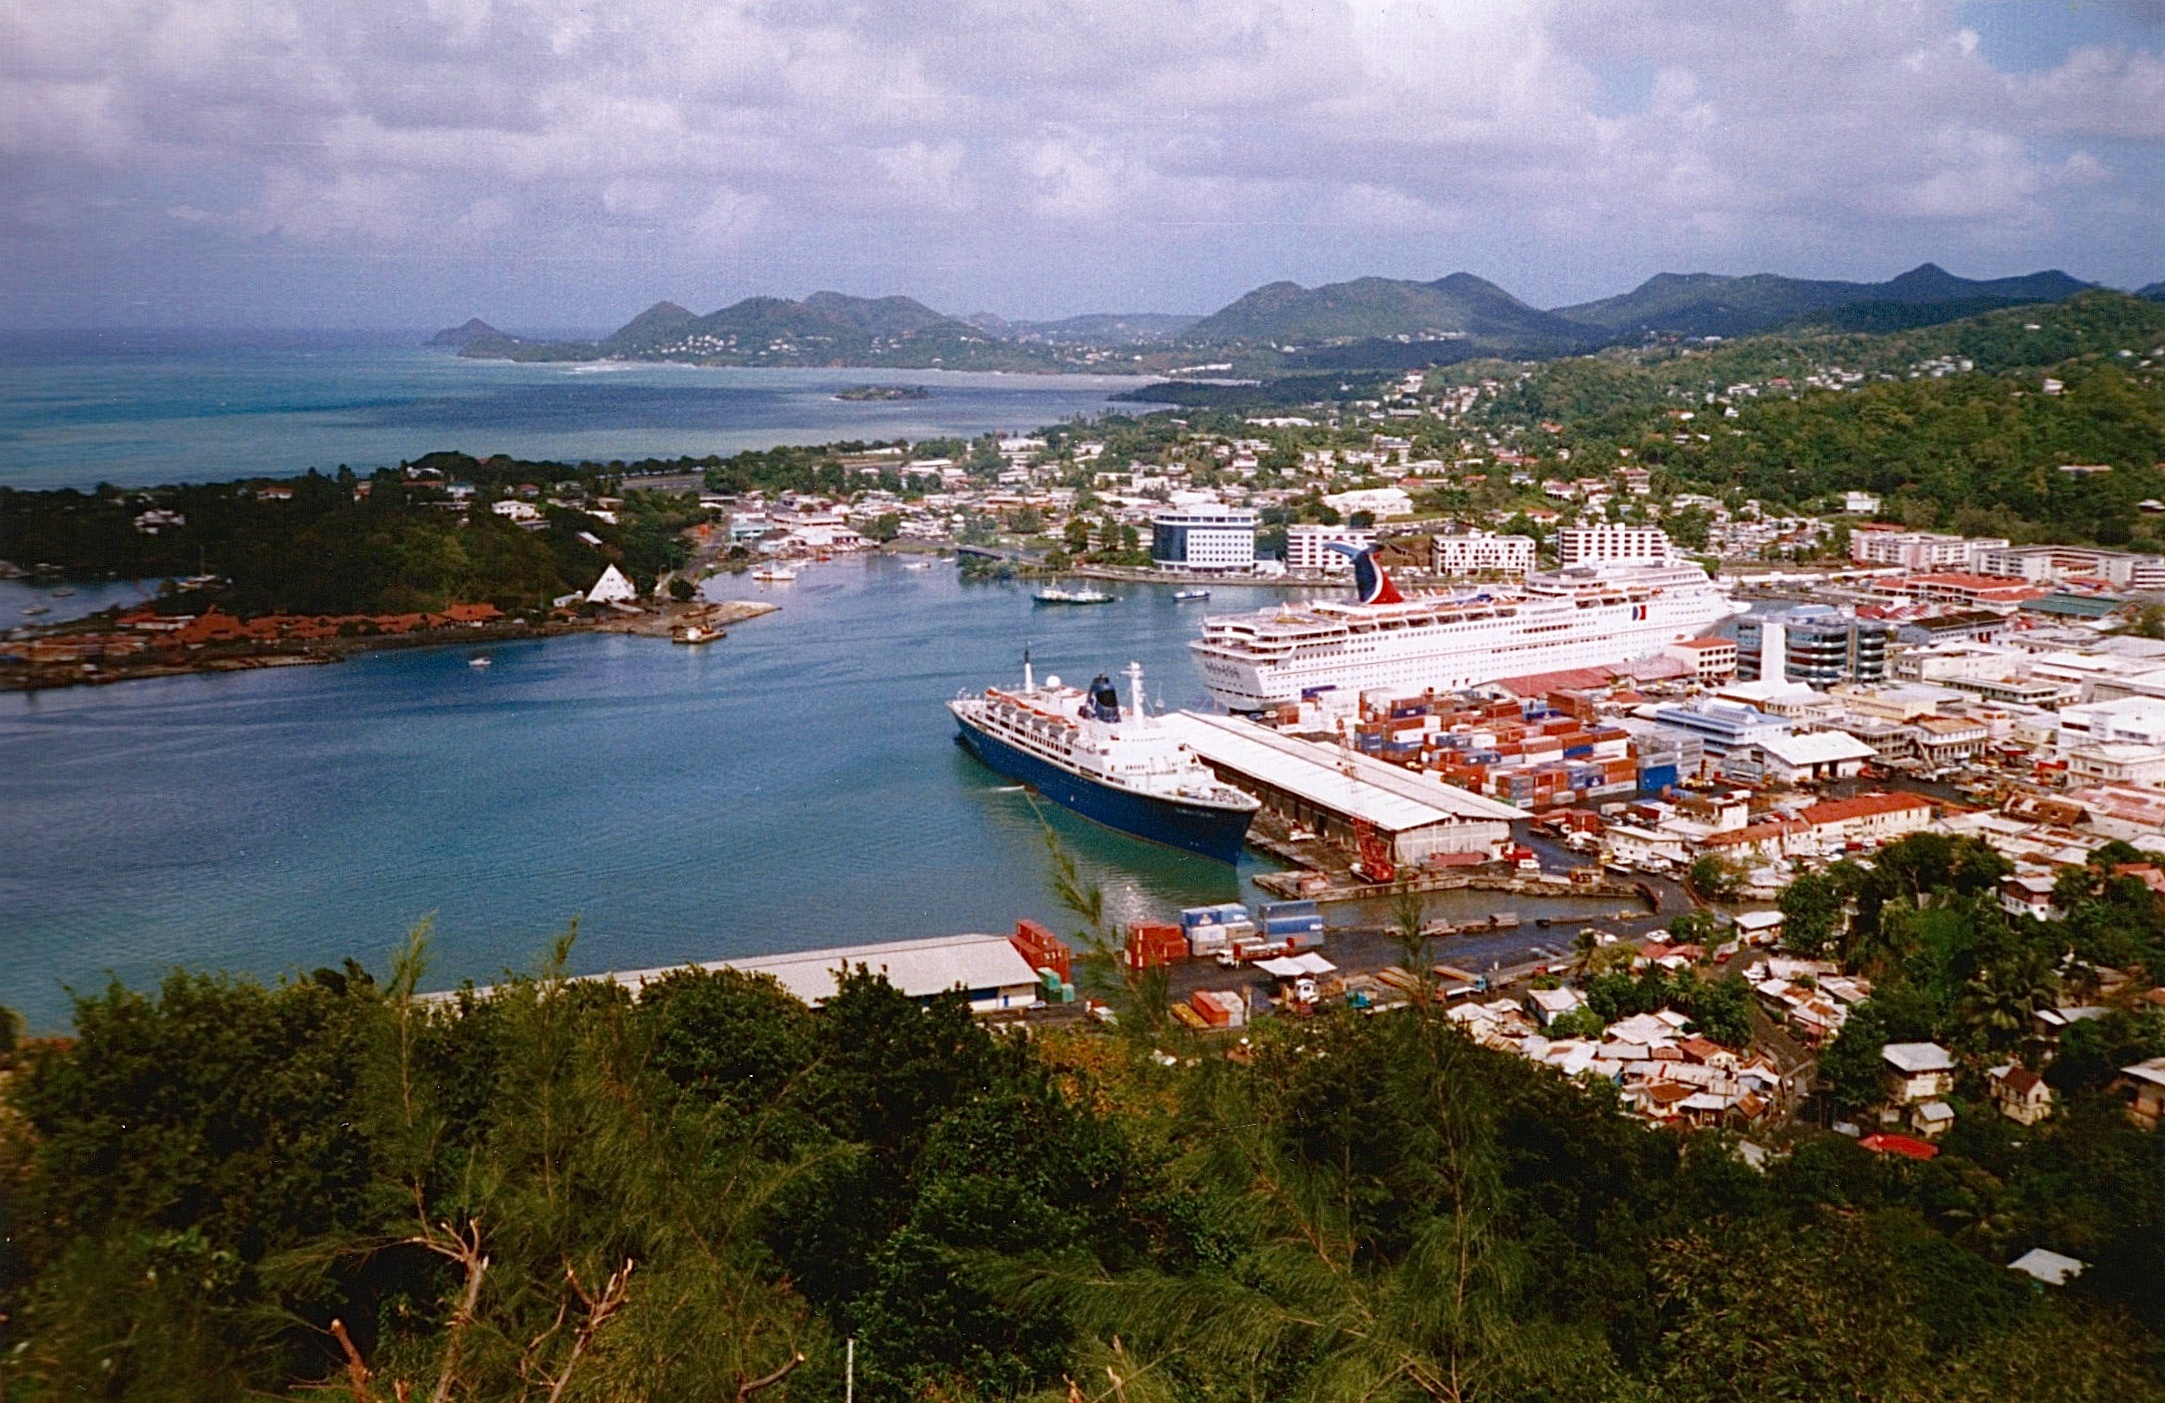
1912, 1058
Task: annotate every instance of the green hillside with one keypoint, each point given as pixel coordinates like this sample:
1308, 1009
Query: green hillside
827, 328
1895, 414
1451, 313
1705, 304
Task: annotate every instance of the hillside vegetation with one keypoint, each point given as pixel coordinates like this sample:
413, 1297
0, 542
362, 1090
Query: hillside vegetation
346, 545
1940, 443
220, 1190
827, 328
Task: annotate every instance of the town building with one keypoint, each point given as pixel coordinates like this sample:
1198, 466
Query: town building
1710, 659
1308, 548
2020, 1093
1918, 550
1378, 502
1480, 553
1816, 644
2145, 1084
1917, 1072
1204, 538
2050, 564
1595, 545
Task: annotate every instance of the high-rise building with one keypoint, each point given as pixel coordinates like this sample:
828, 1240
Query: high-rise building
1594, 545
1307, 548
1812, 643
1204, 537
1480, 553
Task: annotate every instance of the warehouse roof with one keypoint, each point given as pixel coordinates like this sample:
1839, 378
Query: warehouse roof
919, 968
1391, 798
1816, 748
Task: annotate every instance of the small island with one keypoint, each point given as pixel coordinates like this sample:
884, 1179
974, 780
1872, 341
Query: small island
882, 393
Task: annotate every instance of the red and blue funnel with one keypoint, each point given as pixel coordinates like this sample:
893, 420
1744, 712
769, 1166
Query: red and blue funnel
1374, 586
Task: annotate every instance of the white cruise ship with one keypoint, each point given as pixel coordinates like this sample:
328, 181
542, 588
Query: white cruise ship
1079, 747
1575, 617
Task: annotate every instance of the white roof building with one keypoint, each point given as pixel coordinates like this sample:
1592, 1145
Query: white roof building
1912, 1059
2047, 1266
612, 588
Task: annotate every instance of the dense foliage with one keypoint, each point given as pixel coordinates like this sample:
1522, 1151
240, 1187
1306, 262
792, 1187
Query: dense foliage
392, 542
1952, 425
559, 1192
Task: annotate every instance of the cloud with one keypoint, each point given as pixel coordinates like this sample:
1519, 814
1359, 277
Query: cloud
1041, 156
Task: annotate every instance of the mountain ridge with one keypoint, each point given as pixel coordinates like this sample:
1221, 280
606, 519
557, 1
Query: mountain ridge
1369, 323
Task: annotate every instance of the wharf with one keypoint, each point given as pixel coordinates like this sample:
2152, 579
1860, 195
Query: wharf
1344, 887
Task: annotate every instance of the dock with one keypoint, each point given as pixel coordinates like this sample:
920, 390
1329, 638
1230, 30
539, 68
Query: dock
1333, 791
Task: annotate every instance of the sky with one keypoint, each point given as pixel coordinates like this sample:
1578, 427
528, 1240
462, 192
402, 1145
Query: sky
565, 163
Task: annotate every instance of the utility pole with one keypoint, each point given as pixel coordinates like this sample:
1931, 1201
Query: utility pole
849, 1372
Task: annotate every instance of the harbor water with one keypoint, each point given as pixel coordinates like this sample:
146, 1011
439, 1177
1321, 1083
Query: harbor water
792, 786
137, 409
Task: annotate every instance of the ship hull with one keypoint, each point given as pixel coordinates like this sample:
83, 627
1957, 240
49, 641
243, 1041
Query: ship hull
1610, 636
1211, 832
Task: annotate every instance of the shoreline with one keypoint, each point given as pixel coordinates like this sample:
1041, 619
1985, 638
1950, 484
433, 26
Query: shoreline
657, 622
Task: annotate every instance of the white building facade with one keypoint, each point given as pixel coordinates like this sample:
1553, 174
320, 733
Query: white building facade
1307, 548
1210, 538
1595, 545
1481, 553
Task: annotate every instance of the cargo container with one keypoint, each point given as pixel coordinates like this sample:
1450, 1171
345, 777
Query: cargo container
1269, 909
1151, 944
1205, 941
1220, 1008
1655, 778
1038, 945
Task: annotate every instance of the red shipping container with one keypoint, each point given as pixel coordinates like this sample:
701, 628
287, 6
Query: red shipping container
1043, 949
1151, 944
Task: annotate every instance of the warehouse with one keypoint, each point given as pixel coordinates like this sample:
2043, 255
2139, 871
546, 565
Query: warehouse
989, 968
1327, 789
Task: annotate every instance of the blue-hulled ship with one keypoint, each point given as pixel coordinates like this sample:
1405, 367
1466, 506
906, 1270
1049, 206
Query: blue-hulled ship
1079, 748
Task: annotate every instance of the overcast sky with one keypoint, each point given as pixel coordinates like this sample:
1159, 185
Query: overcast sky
564, 163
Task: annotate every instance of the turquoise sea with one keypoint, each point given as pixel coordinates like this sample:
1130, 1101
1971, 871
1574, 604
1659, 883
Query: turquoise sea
790, 787
138, 408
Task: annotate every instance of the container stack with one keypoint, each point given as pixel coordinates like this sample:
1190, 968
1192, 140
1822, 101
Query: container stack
1211, 929
1297, 925
1151, 944
1221, 1008
1053, 988
1042, 948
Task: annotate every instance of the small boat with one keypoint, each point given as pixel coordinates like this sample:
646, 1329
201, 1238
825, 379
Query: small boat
917, 565
479, 660
37, 609
694, 634
1191, 594
63, 592
1053, 594
774, 574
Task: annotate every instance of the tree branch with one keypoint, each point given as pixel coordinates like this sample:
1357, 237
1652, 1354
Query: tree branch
747, 1387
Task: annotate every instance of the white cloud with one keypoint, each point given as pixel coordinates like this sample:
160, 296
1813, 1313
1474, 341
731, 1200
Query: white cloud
998, 145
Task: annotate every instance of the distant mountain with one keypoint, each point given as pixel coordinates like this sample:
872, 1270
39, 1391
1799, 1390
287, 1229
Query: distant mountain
2155, 292
827, 328
473, 329
1706, 304
1458, 308
1090, 329
653, 326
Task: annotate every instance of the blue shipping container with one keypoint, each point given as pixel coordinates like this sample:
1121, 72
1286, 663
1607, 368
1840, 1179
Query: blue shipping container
1269, 909
1655, 778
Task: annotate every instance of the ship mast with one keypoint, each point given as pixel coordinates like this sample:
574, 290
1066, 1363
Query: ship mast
1029, 684
1135, 688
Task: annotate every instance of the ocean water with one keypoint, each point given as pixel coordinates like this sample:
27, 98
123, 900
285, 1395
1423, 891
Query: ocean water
792, 786
77, 409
